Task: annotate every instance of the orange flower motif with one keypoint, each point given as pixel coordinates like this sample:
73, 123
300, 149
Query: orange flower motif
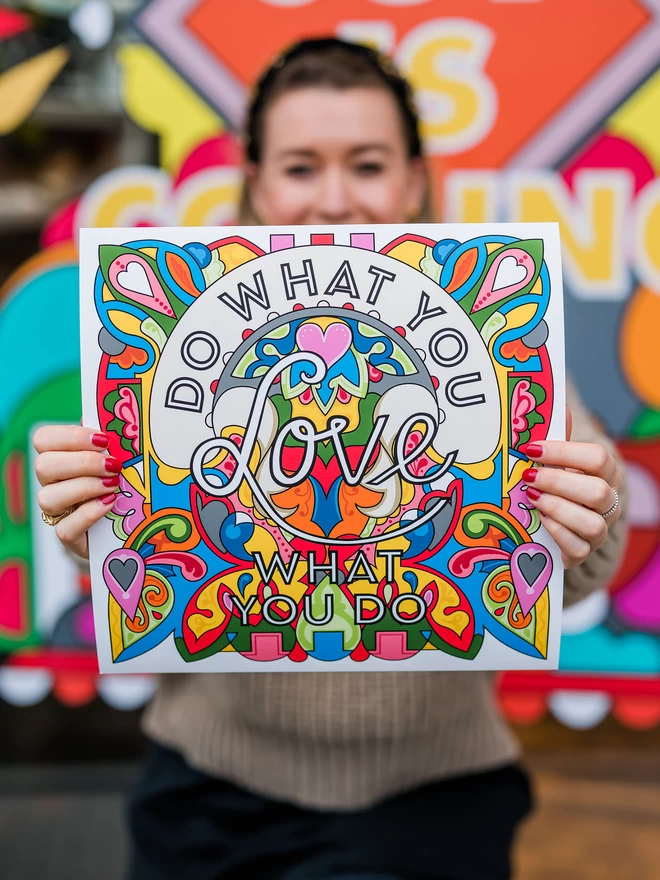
129, 357
518, 350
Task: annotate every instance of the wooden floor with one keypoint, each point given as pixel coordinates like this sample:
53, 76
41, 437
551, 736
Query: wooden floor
597, 818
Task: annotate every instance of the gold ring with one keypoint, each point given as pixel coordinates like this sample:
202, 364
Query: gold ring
53, 520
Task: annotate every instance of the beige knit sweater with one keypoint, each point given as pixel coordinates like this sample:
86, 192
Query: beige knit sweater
344, 740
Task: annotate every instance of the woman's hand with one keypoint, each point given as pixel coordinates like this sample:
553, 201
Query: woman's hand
75, 471
572, 493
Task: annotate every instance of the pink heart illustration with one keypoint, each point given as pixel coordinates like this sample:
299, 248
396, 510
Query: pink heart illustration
509, 272
134, 277
531, 567
123, 573
331, 345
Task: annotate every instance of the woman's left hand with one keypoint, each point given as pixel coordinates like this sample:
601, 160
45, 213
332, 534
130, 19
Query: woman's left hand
573, 492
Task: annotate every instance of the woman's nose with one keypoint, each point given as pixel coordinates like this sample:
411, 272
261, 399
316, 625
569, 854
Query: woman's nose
334, 205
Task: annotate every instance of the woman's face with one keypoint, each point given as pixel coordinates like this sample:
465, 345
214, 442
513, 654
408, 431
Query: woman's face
335, 156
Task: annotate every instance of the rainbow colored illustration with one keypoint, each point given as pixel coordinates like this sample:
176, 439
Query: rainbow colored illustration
304, 478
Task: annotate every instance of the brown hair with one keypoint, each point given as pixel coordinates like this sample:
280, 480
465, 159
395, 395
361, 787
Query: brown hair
335, 64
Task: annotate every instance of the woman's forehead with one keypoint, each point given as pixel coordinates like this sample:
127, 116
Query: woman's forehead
313, 118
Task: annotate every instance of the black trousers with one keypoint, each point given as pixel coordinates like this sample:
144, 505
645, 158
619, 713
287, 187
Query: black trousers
188, 825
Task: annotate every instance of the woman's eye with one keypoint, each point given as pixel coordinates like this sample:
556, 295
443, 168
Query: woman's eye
369, 169
299, 171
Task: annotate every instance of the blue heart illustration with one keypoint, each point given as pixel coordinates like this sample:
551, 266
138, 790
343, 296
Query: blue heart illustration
199, 252
443, 248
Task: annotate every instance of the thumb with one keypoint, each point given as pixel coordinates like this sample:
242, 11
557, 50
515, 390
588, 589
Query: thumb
569, 423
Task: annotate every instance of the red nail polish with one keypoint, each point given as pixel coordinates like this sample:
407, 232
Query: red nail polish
530, 475
534, 494
108, 499
112, 465
531, 450
100, 441
110, 481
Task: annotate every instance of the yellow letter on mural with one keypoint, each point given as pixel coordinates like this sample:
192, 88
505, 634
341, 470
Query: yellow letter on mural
592, 225
445, 61
647, 235
135, 195
208, 198
471, 197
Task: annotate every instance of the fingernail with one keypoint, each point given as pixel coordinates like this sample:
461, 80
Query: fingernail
112, 465
100, 441
108, 499
110, 481
530, 475
534, 494
531, 450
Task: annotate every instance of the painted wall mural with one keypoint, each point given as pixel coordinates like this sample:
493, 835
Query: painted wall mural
576, 139
46, 623
24, 83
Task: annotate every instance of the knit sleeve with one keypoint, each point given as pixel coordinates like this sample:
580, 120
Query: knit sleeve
600, 566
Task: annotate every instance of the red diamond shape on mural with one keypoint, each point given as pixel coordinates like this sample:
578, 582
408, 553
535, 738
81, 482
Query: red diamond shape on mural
575, 60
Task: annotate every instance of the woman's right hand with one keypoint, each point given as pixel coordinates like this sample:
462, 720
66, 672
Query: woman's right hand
75, 471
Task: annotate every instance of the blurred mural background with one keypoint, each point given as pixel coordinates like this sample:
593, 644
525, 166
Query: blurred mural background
119, 113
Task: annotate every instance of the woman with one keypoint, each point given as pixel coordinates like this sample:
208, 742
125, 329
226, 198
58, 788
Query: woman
393, 775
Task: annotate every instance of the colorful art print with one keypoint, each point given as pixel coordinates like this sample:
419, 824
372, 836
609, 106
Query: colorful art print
321, 436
